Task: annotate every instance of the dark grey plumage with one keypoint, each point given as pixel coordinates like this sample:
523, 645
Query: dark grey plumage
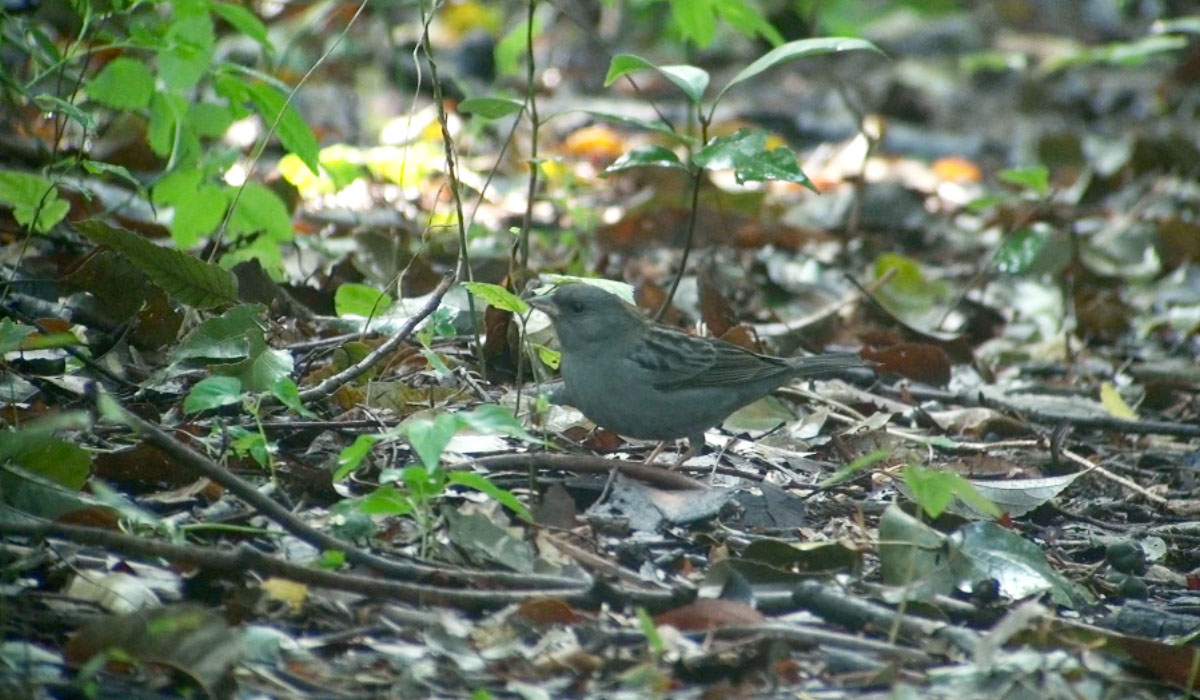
651, 382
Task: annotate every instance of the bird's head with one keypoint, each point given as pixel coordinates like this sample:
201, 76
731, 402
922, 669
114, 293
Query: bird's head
585, 315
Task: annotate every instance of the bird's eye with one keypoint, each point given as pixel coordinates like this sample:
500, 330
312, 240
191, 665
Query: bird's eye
575, 307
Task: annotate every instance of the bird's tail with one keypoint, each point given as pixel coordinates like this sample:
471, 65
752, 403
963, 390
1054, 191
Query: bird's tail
826, 364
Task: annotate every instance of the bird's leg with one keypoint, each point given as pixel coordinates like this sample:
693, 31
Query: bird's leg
696, 447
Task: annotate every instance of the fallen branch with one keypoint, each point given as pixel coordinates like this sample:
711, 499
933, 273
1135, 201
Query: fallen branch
246, 558
243, 489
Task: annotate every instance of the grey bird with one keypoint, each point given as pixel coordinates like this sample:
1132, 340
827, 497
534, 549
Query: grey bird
648, 381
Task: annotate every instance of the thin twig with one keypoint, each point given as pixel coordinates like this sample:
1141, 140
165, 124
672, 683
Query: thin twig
593, 465
463, 269
329, 385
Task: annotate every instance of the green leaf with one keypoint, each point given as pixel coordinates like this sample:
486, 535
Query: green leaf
483, 485
930, 489
37, 449
198, 215
697, 20
47, 456
1033, 177
550, 358
649, 156
191, 281
497, 296
1039, 249
252, 444
747, 20
621, 289
260, 209
430, 437
292, 130
490, 107
244, 21
50, 103
213, 392
493, 419
125, 83
386, 500
793, 50
99, 167
985, 550
187, 54
842, 475
262, 370
353, 299
288, 393
351, 457
11, 335
692, 80
33, 198
745, 152
209, 119
166, 114
657, 126
933, 490
234, 335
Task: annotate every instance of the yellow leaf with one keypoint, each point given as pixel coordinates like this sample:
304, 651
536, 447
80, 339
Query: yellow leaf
1114, 404
289, 592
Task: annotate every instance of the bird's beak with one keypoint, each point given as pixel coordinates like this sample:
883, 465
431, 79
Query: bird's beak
546, 305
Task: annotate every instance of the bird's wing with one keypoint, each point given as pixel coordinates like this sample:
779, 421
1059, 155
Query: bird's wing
672, 360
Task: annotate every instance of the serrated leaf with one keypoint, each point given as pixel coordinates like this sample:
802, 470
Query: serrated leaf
125, 83
292, 130
650, 156
33, 198
260, 209
793, 50
244, 21
186, 54
691, 80
213, 392
497, 296
490, 107
190, 281
198, 215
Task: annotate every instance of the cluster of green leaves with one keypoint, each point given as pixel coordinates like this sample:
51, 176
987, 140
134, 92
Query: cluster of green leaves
745, 152
411, 491
166, 76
